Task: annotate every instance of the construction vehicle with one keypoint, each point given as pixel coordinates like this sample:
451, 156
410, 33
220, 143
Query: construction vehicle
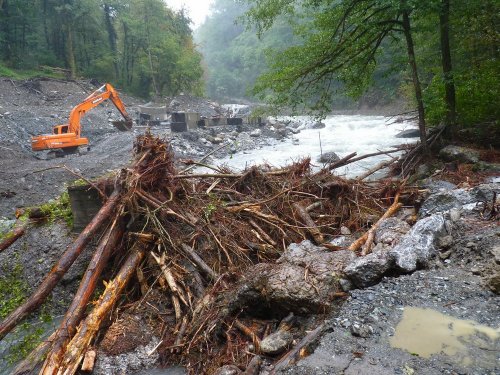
67, 138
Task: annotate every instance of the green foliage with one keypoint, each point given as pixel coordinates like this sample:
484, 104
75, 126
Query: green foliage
13, 292
141, 45
13, 289
353, 47
59, 208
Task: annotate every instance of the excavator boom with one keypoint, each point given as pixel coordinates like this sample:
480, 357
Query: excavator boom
68, 136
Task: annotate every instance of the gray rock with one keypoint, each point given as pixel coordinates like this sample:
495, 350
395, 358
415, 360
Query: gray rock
346, 285
495, 251
361, 330
417, 247
317, 125
423, 170
141, 358
344, 231
409, 133
368, 270
6, 225
435, 186
391, 230
342, 241
328, 157
276, 343
458, 153
228, 370
485, 192
256, 133
445, 242
454, 214
445, 200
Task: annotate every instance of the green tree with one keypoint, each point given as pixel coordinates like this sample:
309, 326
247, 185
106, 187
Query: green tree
342, 41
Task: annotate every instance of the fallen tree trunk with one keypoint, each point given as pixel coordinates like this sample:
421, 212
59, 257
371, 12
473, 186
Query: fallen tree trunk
89, 327
60, 268
311, 225
13, 236
294, 354
75, 312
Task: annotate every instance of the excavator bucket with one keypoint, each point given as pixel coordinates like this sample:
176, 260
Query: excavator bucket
123, 125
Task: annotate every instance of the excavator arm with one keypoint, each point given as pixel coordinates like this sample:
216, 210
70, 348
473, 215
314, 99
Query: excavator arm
93, 100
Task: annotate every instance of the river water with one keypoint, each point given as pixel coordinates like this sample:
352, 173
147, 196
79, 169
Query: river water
342, 134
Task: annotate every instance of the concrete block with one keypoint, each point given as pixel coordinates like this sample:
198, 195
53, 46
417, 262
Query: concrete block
85, 203
178, 127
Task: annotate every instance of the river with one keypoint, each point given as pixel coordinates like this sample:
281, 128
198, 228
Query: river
342, 134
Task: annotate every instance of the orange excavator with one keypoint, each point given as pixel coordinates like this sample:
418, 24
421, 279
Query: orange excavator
67, 137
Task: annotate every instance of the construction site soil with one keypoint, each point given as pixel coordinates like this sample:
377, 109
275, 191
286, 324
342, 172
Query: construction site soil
33, 107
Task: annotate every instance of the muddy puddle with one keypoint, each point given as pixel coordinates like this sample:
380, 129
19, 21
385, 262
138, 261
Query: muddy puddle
426, 332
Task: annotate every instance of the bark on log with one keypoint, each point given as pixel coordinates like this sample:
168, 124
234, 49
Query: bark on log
292, 355
75, 312
13, 236
60, 268
89, 327
195, 258
376, 168
311, 225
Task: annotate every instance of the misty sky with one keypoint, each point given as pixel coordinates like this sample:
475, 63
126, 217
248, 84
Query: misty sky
197, 9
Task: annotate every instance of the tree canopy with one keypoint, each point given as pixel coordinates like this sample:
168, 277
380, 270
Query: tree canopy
450, 48
140, 45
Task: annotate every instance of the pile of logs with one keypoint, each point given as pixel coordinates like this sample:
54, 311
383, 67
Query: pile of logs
189, 236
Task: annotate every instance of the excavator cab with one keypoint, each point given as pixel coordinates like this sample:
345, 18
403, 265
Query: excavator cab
60, 129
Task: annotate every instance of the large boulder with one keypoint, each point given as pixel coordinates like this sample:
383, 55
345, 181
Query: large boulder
369, 270
459, 153
304, 280
390, 231
409, 133
418, 246
328, 157
445, 200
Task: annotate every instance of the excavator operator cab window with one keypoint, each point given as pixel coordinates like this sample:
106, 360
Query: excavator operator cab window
61, 129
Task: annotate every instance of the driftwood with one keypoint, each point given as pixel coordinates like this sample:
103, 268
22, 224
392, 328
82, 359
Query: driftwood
195, 258
376, 168
75, 312
311, 225
203, 232
367, 238
89, 327
12, 237
293, 354
61, 267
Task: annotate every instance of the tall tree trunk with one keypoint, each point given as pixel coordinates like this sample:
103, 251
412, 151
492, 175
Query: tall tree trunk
414, 74
449, 84
45, 26
69, 50
5, 29
111, 36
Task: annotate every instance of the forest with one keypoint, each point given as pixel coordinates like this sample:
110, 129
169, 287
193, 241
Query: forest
317, 55
437, 56
141, 46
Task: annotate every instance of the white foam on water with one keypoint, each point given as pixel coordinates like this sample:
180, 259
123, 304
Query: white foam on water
343, 134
